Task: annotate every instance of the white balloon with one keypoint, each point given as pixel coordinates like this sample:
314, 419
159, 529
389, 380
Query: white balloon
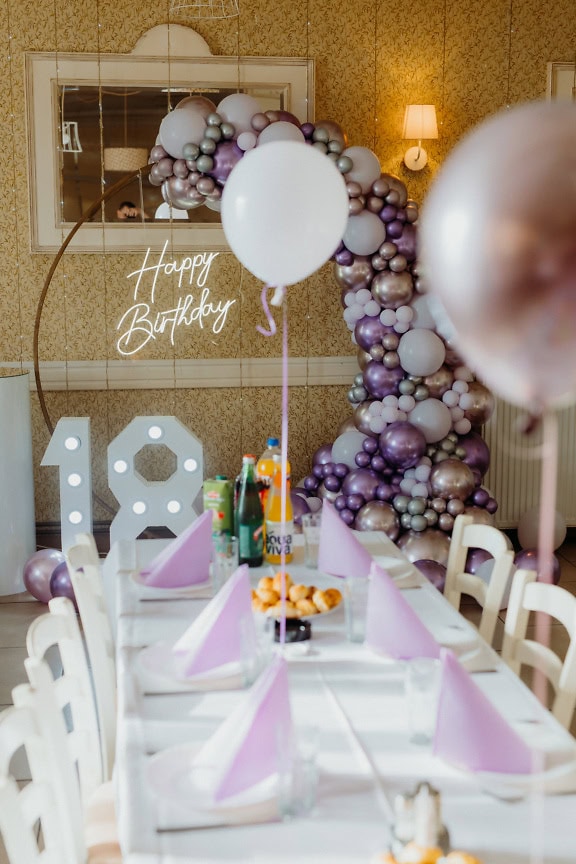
247, 140
364, 233
421, 352
365, 167
314, 504
346, 446
528, 526
238, 109
180, 128
433, 418
422, 315
280, 131
484, 572
284, 211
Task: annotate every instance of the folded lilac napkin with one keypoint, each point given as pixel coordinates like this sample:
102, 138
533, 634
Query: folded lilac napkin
223, 632
247, 747
186, 560
392, 626
470, 732
340, 553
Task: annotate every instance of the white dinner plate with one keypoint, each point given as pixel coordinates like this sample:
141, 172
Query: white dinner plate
159, 591
159, 672
182, 788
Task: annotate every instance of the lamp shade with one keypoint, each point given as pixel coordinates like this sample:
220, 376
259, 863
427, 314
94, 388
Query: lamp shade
125, 159
420, 122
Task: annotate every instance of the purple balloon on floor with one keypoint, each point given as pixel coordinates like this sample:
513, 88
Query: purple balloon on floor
475, 558
433, 571
61, 585
38, 570
527, 559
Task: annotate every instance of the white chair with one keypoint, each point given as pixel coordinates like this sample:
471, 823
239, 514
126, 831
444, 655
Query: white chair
59, 628
85, 575
528, 596
24, 811
470, 535
86, 822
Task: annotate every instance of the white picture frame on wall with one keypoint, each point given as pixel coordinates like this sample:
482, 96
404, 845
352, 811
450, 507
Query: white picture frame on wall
561, 83
46, 73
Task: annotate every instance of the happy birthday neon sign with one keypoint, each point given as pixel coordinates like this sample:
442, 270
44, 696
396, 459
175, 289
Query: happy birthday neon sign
144, 321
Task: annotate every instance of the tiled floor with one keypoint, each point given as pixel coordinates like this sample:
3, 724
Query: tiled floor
17, 611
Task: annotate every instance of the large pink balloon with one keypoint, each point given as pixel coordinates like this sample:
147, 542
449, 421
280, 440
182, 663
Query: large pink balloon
498, 246
38, 571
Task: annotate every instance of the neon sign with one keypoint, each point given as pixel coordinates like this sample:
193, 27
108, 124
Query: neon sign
146, 319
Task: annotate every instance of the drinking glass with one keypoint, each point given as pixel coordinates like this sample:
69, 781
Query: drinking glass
356, 602
422, 689
298, 772
311, 529
224, 559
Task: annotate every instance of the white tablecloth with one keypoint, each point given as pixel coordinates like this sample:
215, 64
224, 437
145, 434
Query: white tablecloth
365, 756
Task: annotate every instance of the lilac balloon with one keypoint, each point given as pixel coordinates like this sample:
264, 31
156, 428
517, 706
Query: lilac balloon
38, 570
480, 497
322, 455
347, 516
388, 213
378, 463
384, 492
307, 129
318, 471
225, 157
362, 482
477, 452
60, 584
491, 506
340, 502
528, 560
433, 571
380, 381
475, 558
327, 468
345, 257
402, 444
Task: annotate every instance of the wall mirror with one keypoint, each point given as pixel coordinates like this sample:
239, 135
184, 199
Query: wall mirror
92, 118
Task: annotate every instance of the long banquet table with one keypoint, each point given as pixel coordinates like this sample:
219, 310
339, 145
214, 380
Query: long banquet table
365, 757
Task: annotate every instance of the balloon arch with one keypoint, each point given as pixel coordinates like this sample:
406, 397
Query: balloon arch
411, 458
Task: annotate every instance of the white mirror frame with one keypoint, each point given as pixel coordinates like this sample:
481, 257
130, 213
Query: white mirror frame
45, 72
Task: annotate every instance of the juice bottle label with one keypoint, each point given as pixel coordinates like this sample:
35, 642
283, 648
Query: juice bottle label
276, 540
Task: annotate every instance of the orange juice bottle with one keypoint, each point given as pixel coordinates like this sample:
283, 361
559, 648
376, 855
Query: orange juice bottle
279, 536
265, 467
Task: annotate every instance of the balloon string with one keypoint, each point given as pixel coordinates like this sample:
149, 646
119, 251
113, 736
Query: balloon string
269, 317
284, 451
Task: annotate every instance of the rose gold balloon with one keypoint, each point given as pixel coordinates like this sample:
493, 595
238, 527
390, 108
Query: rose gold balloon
499, 252
362, 418
363, 358
451, 478
430, 544
439, 382
357, 275
392, 289
347, 426
483, 406
378, 516
480, 515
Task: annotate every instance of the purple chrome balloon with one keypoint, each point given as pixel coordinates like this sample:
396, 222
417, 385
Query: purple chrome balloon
38, 571
362, 459
369, 331
361, 481
332, 483
407, 242
528, 559
299, 506
477, 452
475, 558
311, 483
355, 501
61, 585
341, 469
322, 455
226, 156
402, 444
370, 445
433, 571
380, 381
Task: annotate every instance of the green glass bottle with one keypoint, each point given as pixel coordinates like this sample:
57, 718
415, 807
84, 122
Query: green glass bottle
249, 519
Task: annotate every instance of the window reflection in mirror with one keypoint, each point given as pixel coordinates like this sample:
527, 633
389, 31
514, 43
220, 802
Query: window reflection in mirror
108, 131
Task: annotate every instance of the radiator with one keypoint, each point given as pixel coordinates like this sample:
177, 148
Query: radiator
514, 475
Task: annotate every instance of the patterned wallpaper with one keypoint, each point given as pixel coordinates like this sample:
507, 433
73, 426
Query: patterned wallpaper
372, 58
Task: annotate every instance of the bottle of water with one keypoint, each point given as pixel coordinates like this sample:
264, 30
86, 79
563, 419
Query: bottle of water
249, 518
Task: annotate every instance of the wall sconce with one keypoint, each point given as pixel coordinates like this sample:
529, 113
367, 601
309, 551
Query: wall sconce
419, 123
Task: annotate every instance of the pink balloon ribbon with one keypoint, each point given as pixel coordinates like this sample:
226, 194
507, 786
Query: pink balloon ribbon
271, 321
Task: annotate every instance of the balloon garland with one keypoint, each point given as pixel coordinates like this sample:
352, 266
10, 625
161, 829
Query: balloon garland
412, 459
